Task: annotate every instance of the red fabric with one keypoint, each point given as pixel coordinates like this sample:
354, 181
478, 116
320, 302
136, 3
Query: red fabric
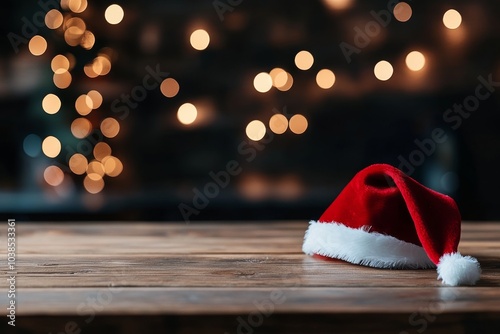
392, 203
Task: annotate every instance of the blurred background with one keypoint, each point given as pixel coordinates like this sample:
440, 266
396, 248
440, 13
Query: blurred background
239, 109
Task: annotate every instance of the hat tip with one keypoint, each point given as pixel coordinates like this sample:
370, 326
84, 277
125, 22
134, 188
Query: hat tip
454, 269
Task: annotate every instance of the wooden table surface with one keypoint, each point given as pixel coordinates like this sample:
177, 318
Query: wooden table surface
237, 277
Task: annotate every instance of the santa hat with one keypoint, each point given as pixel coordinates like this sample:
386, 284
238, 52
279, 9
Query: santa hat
385, 219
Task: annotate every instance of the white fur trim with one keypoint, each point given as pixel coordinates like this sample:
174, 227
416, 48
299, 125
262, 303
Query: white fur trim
455, 269
360, 246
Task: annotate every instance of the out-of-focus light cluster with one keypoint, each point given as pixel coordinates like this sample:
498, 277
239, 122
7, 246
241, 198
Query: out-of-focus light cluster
452, 19
304, 60
37, 45
338, 4
114, 14
51, 146
402, 12
278, 124
51, 104
383, 70
187, 113
325, 79
415, 60
281, 79
169, 87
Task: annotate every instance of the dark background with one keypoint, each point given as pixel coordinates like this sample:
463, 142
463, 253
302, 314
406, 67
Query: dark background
359, 121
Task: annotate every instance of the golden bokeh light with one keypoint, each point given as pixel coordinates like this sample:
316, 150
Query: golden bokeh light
78, 164
325, 79
304, 60
96, 98
262, 82
51, 104
77, 6
255, 130
59, 64
169, 87
101, 151
53, 175
81, 128
89, 71
383, 70
93, 183
402, 12
338, 4
84, 104
298, 124
51, 147
95, 167
278, 76
278, 124
288, 84
112, 166
101, 65
187, 113
62, 80
37, 45
88, 40
110, 127
114, 14
53, 19
199, 39
415, 61
452, 19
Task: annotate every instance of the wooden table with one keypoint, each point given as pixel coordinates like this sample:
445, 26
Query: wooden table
236, 277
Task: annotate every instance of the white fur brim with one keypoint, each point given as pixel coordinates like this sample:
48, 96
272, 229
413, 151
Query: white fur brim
455, 269
359, 246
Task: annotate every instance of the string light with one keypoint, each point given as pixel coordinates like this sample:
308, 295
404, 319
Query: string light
255, 130
383, 70
199, 39
304, 60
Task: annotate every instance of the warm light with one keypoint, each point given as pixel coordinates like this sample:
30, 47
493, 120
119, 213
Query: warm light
279, 77
278, 124
53, 19
78, 164
114, 14
37, 45
263, 82
51, 104
96, 99
101, 65
304, 60
84, 104
325, 79
101, 151
338, 4
415, 61
112, 166
110, 127
288, 84
93, 183
169, 87
89, 71
452, 19
383, 70
81, 128
51, 146
199, 39
298, 124
62, 80
187, 113
88, 40
77, 6
95, 167
402, 12
59, 64
53, 175
256, 130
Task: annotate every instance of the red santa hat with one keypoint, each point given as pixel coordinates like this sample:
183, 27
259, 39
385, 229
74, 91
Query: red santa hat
385, 219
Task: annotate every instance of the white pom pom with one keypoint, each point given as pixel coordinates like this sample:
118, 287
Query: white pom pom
455, 269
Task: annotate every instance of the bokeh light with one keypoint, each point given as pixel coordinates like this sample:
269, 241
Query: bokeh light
169, 87
338, 4
255, 130
325, 79
53, 19
77, 6
101, 65
415, 61
51, 104
51, 146
81, 128
114, 14
288, 84
84, 104
53, 175
37, 45
278, 124
383, 70
101, 151
60, 64
112, 166
452, 19
110, 127
187, 113
78, 164
88, 40
93, 183
62, 80
95, 167
199, 39
304, 60
262, 82
298, 124
402, 12
96, 99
